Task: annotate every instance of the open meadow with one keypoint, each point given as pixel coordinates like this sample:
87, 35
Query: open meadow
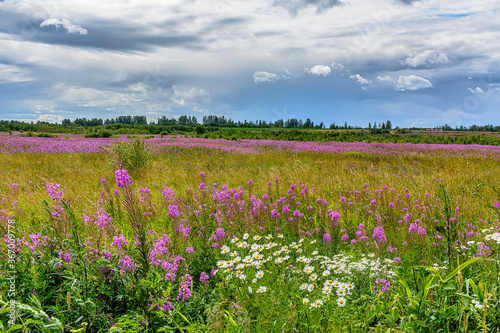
198, 235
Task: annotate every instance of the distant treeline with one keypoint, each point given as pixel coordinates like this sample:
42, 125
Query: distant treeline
221, 127
382, 136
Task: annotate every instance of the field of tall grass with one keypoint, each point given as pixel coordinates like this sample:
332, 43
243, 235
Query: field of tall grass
193, 235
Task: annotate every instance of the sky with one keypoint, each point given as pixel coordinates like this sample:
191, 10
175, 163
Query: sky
421, 63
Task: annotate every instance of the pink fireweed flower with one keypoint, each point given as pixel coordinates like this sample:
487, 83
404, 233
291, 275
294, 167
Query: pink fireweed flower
173, 211
168, 193
122, 178
119, 241
334, 216
126, 263
382, 286
219, 233
391, 249
66, 256
52, 190
297, 213
378, 235
204, 277
421, 231
185, 288
144, 190
497, 204
189, 250
327, 238
397, 259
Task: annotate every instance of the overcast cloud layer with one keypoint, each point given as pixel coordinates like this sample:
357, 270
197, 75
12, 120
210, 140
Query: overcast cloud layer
416, 63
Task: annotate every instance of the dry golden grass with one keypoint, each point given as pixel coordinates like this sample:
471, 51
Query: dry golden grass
330, 174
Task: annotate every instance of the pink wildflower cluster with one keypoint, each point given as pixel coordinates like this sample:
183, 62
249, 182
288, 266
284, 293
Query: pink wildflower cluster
122, 178
185, 288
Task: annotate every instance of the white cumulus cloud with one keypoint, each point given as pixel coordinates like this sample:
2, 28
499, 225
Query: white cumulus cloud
263, 76
386, 79
426, 58
320, 70
72, 29
361, 80
412, 82
476, 91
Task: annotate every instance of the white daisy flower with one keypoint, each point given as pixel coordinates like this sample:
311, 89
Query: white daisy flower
326, 290
313, 277
248, 259
259, 274
314, 253
341, 301
305, 301
318, 303
245, 236
308, 269
326, 273
256, 237
303, 286
249, 289
280, 236
261, 289
310, 288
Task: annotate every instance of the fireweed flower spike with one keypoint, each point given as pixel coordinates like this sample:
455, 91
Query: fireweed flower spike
122, 178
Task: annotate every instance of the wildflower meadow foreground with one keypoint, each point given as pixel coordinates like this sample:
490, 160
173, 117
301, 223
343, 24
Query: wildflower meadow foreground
133, 238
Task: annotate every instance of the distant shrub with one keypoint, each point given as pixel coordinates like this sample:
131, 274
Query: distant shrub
100, 134
46, 135
131, 155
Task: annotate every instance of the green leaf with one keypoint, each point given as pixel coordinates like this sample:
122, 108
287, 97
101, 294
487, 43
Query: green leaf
459, 268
